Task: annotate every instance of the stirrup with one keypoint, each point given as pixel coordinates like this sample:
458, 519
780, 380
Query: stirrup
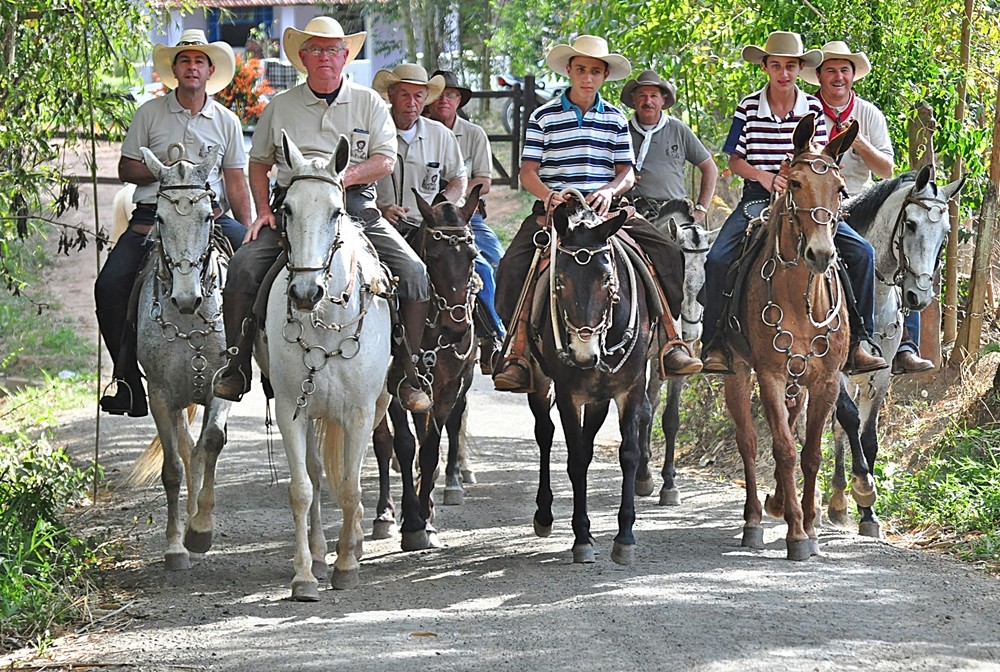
523, 363
666, 347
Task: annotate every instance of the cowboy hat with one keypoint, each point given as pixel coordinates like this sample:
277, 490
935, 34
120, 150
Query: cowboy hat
649, 78
409, 73
781, 43
590, 46
837, 50
451, 82
320, 26
220, 53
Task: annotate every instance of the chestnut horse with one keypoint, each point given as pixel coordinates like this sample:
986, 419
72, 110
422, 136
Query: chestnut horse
795, 321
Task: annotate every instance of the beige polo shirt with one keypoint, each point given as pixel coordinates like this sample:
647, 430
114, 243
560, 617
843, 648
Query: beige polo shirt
426, 164
475, 147
161, 122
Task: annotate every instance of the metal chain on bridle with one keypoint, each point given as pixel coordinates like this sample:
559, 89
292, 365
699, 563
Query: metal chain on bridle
935, 207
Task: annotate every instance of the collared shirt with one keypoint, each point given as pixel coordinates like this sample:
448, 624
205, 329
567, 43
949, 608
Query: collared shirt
575, 148
662, 174
762, 138
475, 146
161, 122
875, 129
426, 164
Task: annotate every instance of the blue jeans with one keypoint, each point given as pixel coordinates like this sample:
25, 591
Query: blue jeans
490, 251
911, 337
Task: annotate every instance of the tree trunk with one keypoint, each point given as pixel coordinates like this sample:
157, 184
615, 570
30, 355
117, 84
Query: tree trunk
409, 34
921, 134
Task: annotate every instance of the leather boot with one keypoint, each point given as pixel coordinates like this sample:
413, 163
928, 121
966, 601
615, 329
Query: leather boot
907, 361
120, 340
716, 358
232, 382
489, 351
514, 372
859, 361
413, 316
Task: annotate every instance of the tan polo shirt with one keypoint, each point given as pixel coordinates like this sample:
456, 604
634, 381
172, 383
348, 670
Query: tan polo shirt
161, 122
427, 164
475, 146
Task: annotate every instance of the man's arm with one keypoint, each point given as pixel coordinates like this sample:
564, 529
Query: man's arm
485, 182
370, 170
769, 181
706, 190
260, 189
136, 172
455, 189
239, 195
876, 161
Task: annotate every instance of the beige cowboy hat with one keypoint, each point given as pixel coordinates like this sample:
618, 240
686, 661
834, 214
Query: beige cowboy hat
320, 26
840, 51
220, 53
592, 47
782, 43
409, 73
649, 78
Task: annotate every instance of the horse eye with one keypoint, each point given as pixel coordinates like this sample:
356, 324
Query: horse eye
911, 226
794, 184
606, 281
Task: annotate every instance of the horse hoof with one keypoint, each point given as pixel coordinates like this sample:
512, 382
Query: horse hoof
838, 517
383, 529
341, 580
753, 537
670, 497
305, 591
198, 542
454, 496
622, 554
542, 530
798, 549
320, 570
583, 553
177, 561
468, 476
870, 528
419, 540
644, 488
813, 546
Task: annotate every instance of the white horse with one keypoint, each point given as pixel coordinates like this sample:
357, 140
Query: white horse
180, 346
906, 221
327, 354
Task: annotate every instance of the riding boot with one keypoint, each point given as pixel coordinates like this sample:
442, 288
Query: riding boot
404, 380
120, 339
233, 381
514, 372
489, 351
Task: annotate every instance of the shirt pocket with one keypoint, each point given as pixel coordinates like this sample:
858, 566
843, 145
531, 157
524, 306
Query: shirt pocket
360, 140
430, 179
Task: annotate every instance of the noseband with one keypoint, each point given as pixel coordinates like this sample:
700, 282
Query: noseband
184, 206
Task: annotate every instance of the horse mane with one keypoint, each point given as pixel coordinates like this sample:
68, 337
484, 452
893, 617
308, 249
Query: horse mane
861, 210
369, 266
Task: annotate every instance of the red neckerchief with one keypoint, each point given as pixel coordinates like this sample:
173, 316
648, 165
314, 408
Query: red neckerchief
839, 118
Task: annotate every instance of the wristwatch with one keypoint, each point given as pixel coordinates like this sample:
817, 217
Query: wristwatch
700, 208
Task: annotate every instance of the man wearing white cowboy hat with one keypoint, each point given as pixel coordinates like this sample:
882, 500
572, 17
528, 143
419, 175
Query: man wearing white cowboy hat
314, 114
759, 140
578, 140
662, 145
193, 70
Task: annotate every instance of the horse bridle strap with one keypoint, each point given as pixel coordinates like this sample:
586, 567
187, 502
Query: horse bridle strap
896, 247
819, 214
176, 202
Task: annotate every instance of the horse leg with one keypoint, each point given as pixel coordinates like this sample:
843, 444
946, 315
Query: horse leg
669, 495
737, 392
430, 457
194, 467
454, 493
169, 426
623, 550
198, 536
850, 424
643, 476
580, 453
385, 512
295, 434
412, 531
343, 451
468, 474
317, 438
863, 484
538, 402
817, 415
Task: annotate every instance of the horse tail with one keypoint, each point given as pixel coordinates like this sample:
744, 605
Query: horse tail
467, 446
330, 442
150, 464
121, 211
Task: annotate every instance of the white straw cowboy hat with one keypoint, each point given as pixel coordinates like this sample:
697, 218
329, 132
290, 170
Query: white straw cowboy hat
320, 26
409, 73
649, 78
782, 43
220, 53
590, 46
840, 51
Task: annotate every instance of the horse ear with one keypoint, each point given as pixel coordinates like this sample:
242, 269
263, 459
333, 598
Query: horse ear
710, 236
609, 227
839, 145
211, 158
153, 163
560, 220
471, 204
804, 132
425, 208
293, 157
341, 156
950, 190
440, 198
924, 177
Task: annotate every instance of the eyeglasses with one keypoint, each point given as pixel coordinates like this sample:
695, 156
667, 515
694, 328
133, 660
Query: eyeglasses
319, 51
191, 43
452, 95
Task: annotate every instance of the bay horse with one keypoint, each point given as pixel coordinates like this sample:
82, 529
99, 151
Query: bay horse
591, 334
327, 355
795, 321
445, 242
906, 220
676, 220
180, 346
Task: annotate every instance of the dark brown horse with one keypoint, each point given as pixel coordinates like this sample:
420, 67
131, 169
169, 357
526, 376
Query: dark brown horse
445, 242
795, 321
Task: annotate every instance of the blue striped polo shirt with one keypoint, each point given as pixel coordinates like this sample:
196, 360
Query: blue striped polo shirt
575, 148
763, 139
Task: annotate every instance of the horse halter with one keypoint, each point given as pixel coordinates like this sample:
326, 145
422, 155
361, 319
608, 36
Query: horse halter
936, 208
583, 256
184, 206
460, 314
693, 250
337, 241
820, 165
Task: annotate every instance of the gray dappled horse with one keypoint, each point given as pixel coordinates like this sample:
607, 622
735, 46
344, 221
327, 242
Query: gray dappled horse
327, 354
181, 345
906, 221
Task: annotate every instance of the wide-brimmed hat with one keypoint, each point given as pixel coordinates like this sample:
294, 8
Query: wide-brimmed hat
320, 26
590, 46
451, 82
649, 78
220, 53
839, 50
409, 73
782, 43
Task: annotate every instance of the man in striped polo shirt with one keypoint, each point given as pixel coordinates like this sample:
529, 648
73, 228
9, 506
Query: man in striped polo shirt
760, 138
580, 141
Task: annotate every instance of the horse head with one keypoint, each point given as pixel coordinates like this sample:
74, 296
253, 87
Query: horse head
184, 220
676, 220
446, 244
585, 285
314, 212
921, 233
813, 195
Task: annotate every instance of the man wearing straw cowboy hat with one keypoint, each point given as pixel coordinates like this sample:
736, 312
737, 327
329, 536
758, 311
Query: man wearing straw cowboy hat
193, 70
314, 114
580, 141
663, 144
759, 141
870, 154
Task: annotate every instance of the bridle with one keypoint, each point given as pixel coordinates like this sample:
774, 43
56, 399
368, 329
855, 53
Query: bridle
935, 207
459, 313
183, 206
820, 215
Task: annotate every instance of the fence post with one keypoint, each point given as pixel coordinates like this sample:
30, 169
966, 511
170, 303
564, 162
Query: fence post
515, 139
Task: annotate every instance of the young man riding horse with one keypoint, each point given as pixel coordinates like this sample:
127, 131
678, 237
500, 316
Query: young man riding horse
580, 141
